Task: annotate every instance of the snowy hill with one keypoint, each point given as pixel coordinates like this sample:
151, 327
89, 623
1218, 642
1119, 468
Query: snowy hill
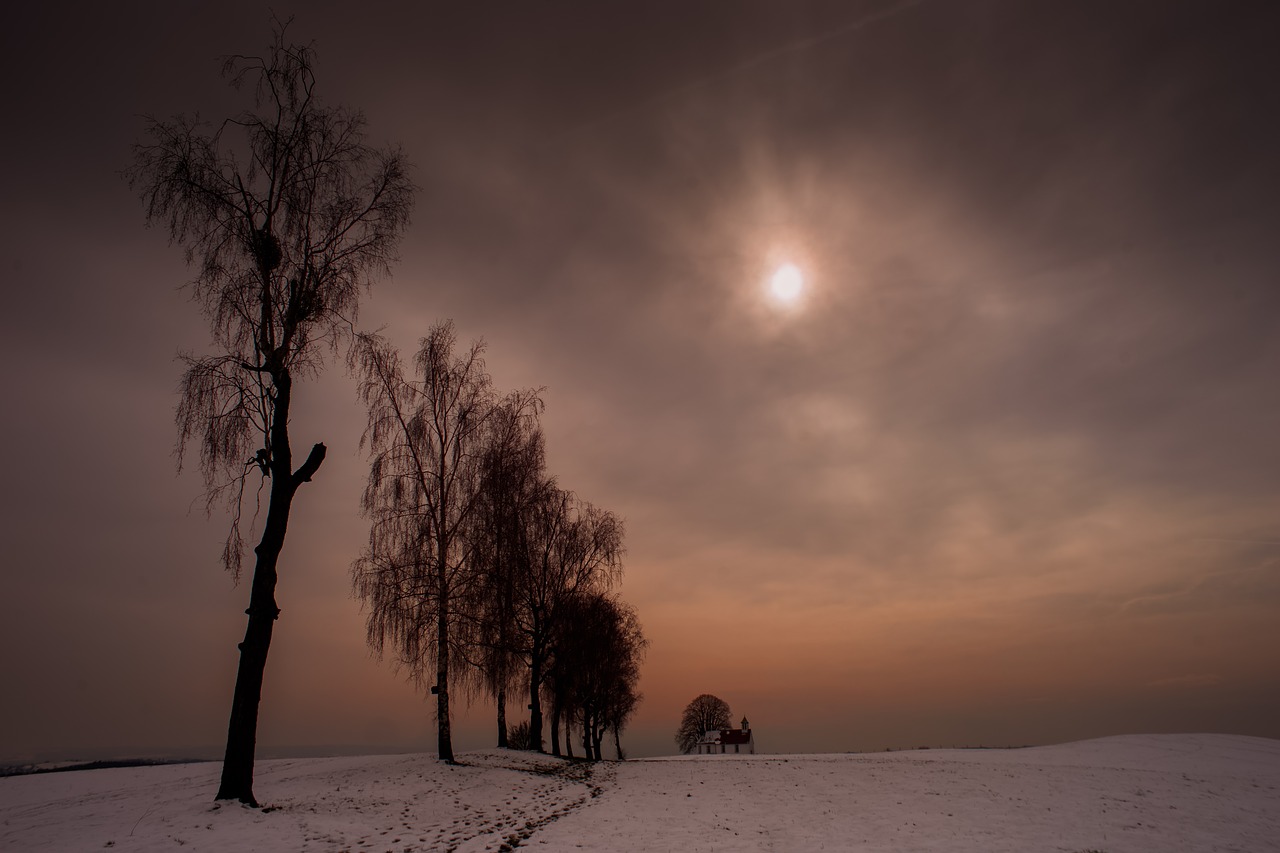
1132, 793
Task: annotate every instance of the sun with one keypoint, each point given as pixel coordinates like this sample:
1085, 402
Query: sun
787, 283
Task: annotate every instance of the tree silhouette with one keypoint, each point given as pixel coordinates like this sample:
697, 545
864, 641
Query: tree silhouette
287, 215
512, 470
703, 714
427, 439
569, 548
597, 666
621, 690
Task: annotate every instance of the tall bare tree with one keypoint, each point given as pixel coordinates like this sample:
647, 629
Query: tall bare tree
427, 438
570, 548
512, 470
288, 215
703, 714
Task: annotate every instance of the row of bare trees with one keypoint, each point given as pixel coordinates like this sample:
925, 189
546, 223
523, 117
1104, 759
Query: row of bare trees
476, 560
481, 573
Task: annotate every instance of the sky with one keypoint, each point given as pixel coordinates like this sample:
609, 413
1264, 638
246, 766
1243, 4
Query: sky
1005, 473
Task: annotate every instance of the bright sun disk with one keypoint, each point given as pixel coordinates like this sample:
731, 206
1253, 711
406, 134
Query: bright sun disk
787, 282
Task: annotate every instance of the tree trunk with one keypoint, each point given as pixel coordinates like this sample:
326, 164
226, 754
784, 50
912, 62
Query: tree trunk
242, 730
617, 744
444, 735
535, 706
502, 718
555, 717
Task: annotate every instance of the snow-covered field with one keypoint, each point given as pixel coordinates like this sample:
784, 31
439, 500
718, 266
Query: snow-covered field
1134, 793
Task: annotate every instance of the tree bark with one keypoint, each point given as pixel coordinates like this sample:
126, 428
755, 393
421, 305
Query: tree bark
502, 718
242, 730
444, 735
555, 717
535, 706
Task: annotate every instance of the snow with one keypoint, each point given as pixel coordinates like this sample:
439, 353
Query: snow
1131, 793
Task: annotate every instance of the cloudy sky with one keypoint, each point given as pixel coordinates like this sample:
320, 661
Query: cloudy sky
1007, 472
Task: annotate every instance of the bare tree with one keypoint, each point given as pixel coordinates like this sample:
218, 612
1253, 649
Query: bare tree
597, 666
288, 215
512, 469
569, 548
703, 714
427, 439
621, 690
622, 704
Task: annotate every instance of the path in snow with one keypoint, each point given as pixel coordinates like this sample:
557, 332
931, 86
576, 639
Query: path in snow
492, 801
